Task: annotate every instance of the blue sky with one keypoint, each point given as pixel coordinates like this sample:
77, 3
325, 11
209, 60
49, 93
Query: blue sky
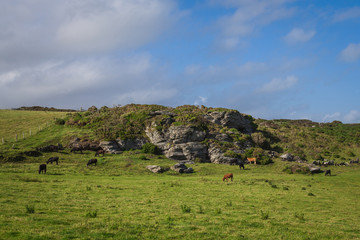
268, 58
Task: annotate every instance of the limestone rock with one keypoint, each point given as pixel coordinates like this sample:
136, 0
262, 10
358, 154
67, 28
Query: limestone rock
217, 156
287, 157
314, 168
181, 168
110, 147
129, 144
231, 119
155, 168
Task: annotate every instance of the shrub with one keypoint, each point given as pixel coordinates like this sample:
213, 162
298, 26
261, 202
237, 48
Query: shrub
151, 148
60, 121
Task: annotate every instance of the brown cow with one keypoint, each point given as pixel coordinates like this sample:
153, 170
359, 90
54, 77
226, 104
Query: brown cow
252, 160
76, 149
227, 176
53, 159
98, 152
92, 161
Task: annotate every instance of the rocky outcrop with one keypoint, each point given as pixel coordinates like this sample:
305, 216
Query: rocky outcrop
217, 156
155, 168
110, 147
131, 144
314, 168
181, 168
84, 144
180, 142
287, 157
231, 119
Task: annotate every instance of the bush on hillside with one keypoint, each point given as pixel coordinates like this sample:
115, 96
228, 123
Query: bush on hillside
60, 121
151, 148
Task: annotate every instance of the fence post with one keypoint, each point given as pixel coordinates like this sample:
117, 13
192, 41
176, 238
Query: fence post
16, 138
2, 140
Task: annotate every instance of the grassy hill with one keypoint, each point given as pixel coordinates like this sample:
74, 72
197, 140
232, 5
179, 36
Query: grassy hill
120, 199
16, 122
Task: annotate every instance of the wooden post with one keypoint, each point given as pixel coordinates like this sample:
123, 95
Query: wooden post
16, 138
39, 127
2, 140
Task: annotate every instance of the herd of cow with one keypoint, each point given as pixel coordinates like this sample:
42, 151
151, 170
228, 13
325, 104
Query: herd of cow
42, 167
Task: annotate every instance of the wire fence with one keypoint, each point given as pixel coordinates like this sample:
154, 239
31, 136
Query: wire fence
20, 135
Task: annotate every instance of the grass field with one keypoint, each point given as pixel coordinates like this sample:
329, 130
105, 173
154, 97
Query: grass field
120, 199
21, 122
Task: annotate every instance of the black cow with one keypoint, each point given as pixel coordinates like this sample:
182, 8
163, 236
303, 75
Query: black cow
328, 172
98, 152
53, 159
76, 149
241, 165
92, 161
42, 168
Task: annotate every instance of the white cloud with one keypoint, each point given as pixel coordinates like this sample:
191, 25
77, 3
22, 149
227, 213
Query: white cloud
347, 14
278, 84
35, 31
298, 35
249, 16
352, 117
117, 24
331, 117
200, 101
351, 53
99, 80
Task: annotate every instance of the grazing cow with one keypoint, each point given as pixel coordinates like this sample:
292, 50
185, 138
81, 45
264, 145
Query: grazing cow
76, 149
98, 152
227, 176
328, 172
252, 160
241, 165
92, 161
42, 168
53, 159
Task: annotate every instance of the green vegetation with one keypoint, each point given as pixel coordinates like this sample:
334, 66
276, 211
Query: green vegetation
120, 199
20, 123
310, 140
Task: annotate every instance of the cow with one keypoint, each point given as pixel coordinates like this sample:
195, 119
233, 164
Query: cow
227, 176
42, 168
92, 161
241, 165
328, 172
98, 152
252, 160
53, 159
76, 149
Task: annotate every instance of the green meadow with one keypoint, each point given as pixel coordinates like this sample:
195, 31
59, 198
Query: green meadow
120, 199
